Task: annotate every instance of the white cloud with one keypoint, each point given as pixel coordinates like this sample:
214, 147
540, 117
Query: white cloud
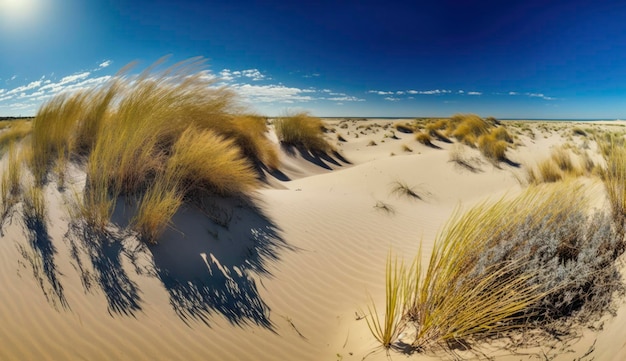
346, 98
31, 85
380, 92
272, 93
474, 93
392, 99
104, 64
228, 75
513, 93
540, 95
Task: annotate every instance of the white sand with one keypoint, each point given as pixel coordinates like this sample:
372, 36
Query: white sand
288, 285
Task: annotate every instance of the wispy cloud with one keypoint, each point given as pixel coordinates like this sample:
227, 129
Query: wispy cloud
392, 99
104, 64
272, 93
380, 92
474, 93
252, 74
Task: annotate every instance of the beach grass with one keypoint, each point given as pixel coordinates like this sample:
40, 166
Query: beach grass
130, 133
302, 130
499, 267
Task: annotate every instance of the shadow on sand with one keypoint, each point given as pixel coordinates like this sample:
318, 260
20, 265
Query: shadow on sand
104, 251
209, 263
41, 257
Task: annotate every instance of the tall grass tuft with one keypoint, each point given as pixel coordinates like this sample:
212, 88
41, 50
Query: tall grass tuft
492, 148
158, 137
302, 130
614, 179
387, 330
513, 264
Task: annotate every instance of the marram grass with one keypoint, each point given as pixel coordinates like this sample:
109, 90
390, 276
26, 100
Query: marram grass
154, 138
302, 130
500, 265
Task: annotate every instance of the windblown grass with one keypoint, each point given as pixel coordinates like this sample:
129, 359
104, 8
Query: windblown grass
614, 179
14, 131
130, 133
492, 148
514, 264
424, 138
302, 130
403, 189
468, 127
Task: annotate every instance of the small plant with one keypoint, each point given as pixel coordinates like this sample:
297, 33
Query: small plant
371, 143
404, 189
380, 205
406, 148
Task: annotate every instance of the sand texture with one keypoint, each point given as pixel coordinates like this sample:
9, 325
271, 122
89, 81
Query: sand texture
284, 276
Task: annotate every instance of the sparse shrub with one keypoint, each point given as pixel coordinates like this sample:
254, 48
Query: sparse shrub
439, 136
530, 261
406, 148
340, 137
302, 130
579, 131
371, 143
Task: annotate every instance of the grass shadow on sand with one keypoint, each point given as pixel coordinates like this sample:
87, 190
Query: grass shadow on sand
104, 252
41, 257
319, 158
210, 263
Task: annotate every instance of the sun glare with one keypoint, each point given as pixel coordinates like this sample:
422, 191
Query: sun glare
18, 13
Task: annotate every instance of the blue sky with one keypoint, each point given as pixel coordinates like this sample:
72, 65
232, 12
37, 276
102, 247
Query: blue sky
509, 59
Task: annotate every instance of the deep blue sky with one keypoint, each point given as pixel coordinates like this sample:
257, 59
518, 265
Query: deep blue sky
521, 59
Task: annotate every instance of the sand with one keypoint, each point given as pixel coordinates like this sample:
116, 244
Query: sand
287, 279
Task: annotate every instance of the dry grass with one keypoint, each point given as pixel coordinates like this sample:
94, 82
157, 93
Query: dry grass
129, 132
514, 264
404, 128
403, 189
34, 204
14, 131
493, 148
555, 168
468, 127
424, 138
302, 130
406, 148
614, 179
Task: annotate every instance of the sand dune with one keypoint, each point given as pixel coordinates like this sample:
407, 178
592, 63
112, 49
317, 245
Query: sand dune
283, 277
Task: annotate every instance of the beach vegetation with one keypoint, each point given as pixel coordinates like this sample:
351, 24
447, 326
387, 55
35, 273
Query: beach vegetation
129, 133
539, 260
302, 130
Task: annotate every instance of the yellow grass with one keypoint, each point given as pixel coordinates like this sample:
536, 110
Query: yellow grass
132, 128
457, 296
14, 131
34, 204
302, 130
614, 179
424, 138
468, 127
491, 147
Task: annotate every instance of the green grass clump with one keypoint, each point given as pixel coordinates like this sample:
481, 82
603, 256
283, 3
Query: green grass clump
302, 130
515, 264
